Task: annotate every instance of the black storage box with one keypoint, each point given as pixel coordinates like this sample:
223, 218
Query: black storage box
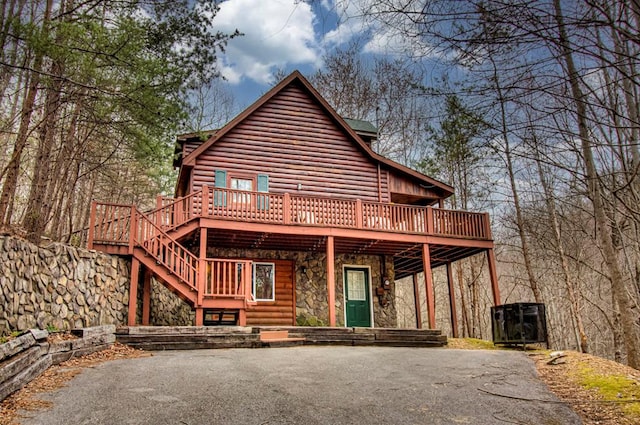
519, 323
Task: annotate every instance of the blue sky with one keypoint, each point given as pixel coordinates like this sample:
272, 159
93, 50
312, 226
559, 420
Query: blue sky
287, 35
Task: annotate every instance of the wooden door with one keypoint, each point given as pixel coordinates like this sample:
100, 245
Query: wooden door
357, 297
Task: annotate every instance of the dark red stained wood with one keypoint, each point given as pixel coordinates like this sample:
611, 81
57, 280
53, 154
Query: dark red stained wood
404, 190
282, 310
294, 141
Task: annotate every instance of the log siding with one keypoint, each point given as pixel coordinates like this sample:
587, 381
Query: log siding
297, 144
280, 312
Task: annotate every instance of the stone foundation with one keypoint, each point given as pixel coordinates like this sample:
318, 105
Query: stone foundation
311, 286
167, 309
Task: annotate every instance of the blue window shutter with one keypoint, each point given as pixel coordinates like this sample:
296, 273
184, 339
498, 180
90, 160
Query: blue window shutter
263, 186
220, 198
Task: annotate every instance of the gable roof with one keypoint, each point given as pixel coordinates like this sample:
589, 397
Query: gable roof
296, 76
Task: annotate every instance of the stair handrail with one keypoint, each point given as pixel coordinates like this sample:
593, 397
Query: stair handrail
170, 209
174, 257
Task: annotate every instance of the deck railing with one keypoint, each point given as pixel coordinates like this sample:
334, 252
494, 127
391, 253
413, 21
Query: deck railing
111, 222
227, 278
165, 250
228, 204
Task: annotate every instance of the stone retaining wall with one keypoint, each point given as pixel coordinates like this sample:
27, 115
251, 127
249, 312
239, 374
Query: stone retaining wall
27, 356
59, 286
63, 287
167, 309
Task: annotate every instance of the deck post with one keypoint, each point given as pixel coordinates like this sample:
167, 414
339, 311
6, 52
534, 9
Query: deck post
487, 226
204, 206
286, 208
133, 291
416, 297
452, 301
428, 284
331, 281
146, 297
359, 220
242, 317
132, 231
429, 221
199, 316
202, 266
92, 224
493, 275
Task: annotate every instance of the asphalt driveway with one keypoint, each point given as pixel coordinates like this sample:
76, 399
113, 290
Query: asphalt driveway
309, 385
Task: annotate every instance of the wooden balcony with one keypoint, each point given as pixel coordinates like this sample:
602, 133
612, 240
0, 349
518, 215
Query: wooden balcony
293, 210
165, 240
246, 219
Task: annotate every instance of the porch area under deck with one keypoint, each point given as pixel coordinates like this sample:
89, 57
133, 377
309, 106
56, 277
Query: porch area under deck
173, 240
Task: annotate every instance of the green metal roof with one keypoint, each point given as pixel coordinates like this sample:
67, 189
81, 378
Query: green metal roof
361, 126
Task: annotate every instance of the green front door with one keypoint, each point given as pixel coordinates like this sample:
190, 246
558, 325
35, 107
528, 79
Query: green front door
356, 290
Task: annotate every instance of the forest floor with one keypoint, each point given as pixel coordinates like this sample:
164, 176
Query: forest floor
56, 377
600, 391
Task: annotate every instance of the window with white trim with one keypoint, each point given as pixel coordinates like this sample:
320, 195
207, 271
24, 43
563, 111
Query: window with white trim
264, 281
241, 184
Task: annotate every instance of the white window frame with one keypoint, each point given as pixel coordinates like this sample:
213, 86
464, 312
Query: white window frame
253, 281
241, 198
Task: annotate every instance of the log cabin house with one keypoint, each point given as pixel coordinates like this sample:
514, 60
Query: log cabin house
286, 213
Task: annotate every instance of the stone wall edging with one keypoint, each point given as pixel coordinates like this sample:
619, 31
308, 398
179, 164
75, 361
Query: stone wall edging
24, 358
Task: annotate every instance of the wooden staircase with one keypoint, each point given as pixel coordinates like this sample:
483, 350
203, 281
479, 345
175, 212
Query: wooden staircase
151, 239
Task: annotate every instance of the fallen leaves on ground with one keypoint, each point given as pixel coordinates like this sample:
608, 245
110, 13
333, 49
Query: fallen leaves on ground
564, 381
56, 377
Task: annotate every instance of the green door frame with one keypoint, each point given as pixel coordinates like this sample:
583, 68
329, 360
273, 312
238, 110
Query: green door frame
369, 295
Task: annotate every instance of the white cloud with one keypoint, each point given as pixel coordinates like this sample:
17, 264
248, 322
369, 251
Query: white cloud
351, 21
277, 33
385, 33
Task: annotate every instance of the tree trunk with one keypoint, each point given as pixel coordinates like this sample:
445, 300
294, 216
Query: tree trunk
526, 254
627, 316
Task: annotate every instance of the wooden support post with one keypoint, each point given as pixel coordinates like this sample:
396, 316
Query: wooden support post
159, 201
452, 301
202, 266
429, 221
286, 208
204, 208
416, 296
493, 275
487, 226
359, 221
199, 316
331, 281
242, 318
146, 297
133, 228
428, 284
92, 224
133, 291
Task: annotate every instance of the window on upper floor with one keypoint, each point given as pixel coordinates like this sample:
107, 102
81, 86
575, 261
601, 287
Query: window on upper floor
238, 183
241, 184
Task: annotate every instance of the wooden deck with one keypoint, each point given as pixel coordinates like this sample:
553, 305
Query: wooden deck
111, 223
171, 241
